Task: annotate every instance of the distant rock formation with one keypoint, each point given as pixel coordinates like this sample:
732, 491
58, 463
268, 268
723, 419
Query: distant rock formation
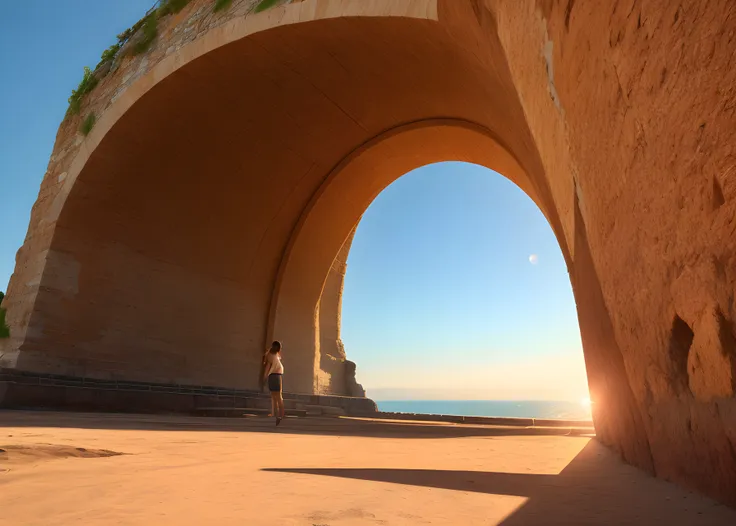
352, 387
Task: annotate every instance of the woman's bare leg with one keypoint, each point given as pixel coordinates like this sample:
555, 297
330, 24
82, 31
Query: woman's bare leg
282, 409
274, 404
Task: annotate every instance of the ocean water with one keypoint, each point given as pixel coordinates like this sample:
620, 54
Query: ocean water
512, 408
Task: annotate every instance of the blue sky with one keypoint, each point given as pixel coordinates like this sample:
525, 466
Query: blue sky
440, 301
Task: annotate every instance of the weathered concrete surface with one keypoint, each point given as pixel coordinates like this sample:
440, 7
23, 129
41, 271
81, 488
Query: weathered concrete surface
321, 471
204, 213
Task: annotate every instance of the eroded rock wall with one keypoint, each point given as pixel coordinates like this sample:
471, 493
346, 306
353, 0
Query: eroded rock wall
645, 91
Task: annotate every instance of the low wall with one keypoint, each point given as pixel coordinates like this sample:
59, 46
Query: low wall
484, 420
27, 390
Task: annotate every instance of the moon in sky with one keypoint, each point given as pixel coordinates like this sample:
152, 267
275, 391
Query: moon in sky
533, 259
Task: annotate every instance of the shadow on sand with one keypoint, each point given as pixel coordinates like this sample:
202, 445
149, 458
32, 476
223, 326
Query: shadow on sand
612, 493
594, 488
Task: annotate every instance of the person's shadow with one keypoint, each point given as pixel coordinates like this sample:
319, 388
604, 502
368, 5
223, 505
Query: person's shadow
595, 488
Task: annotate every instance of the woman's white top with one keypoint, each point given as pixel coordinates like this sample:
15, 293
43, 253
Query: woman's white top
274, 363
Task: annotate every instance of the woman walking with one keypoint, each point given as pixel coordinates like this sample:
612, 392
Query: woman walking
273, 373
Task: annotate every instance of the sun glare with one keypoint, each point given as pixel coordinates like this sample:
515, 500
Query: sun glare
585, 402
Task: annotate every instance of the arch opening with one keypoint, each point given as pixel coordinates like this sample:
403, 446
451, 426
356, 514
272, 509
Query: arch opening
456, 290
314, 259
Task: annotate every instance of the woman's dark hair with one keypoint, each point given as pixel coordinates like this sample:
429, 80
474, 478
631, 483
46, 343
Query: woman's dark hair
275, 346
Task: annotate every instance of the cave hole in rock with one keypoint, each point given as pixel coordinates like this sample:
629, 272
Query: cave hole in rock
718, 198
681, 340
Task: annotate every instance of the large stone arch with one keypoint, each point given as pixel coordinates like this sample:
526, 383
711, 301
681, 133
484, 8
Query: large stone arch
158, 242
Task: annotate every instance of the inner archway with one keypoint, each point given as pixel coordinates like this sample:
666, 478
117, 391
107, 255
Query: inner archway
323, 234
457, 294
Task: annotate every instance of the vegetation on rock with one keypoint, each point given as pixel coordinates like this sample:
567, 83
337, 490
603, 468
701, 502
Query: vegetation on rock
265, 4
125, 35
87, 84
109, 54
222, 4
150, 31
88, 124
90, 80
168, 7
148, 25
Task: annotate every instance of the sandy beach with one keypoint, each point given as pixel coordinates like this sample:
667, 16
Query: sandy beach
63, 469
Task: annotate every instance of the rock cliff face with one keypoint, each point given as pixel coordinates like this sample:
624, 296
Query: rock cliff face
646, 91
237, 154
334, 374
352, 387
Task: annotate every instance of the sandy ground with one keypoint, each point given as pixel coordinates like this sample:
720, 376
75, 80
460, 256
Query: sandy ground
59, 468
